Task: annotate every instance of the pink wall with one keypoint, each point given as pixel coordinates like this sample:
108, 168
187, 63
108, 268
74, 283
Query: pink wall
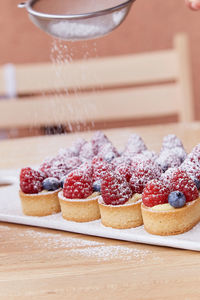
150, 25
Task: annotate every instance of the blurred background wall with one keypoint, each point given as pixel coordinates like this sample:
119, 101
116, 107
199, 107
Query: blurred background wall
150, 25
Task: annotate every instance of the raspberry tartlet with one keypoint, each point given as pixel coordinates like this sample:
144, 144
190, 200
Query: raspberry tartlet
118, 206
78, 200
39, 195
172, 209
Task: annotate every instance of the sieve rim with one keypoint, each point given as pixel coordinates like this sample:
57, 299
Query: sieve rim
33, 12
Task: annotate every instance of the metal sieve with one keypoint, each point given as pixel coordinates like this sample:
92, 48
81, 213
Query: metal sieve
78, 26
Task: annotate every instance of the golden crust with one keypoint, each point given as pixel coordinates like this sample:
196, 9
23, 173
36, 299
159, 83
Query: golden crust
42, 204
121, 217
79, 210
171, 222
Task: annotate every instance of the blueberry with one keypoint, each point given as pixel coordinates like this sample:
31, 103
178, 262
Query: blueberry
97, 186
176, 199
109, 157
197, 183
165, 168
51, 184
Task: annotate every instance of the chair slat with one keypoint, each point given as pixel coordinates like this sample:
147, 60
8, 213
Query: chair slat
145, 85
2, 82
101, 106
186, 98
111, 71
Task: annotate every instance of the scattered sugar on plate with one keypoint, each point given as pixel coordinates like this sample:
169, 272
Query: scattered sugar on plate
3, 228
107, 253
81, 247
57, 241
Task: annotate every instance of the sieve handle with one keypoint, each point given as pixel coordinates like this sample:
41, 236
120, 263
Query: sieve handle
22, 5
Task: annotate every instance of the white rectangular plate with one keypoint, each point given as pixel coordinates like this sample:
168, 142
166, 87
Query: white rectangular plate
10, 211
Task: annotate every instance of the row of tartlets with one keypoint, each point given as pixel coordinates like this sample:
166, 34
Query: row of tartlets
125, 190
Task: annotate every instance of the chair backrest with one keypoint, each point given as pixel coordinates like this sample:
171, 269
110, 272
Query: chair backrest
97, 90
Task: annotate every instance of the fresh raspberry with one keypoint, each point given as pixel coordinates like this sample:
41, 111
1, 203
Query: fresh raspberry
196, 149
77, 146
194, 155
180, 153
137, 183
100, 168
98, 140
121, 160
61, 168
96, 160
115, 189
171, 141
183, 183
135, 139
168, 159
193, 170
78, 184
57, 167
147, 166
46, 166
143, 171
134, 146
52, 167
166, 177
155, 193
124, 170
87, 168
72, 163
108, 152
191, 158
152, 155
139, 161
87, 152
64, 153
31, 181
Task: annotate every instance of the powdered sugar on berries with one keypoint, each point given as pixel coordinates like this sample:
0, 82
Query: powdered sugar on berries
87, 152
100, 168
124, 170
77, 146
171, 141
181, 182
193, 170
155, 193
98, 140
108, 152
31, 181
78, 184
143, 170
134, 146
115, 189
59, 166
168, 159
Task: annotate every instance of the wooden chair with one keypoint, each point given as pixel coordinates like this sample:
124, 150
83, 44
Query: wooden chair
102, 90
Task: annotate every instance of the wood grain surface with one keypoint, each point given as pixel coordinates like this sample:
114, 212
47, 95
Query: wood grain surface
39, 263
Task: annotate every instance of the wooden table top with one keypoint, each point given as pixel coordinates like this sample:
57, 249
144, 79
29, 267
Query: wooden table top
38, 263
